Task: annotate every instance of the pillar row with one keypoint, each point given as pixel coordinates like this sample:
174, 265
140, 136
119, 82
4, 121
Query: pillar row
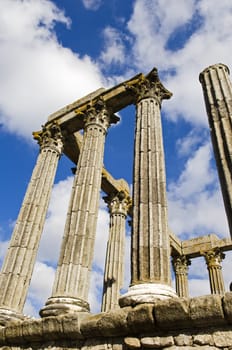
180, 265
150, 253
213, 260
71, 286
19, 262
217, 90
118, 205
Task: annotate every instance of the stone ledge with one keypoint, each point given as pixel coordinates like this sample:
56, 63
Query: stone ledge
166, 315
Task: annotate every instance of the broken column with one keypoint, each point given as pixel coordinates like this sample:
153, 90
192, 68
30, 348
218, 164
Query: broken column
213, 260
180, 265
118, 205
71, 286
150, 271
217, 90
20, 258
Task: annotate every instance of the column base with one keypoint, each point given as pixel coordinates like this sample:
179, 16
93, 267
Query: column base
146, 293
8, 315
56, 306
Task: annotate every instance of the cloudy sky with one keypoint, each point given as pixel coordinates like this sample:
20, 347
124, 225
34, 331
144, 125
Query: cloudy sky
54, 52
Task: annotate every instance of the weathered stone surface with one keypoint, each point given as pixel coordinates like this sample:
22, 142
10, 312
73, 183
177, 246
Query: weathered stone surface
96, 344
207, 310
227, 306
20, 258
14, 333
52, 328
32, 330
118, 206
203, 339
183, 340
132, 343
140, 318
2, 336
117, 344
113, 323
157, 342
223, 338
71, 325
172, 313
218, 95
89, 327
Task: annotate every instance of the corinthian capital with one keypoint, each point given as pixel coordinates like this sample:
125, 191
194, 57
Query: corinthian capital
118, 203
50, 137
180, 264
149, 86
214, 257
100, 115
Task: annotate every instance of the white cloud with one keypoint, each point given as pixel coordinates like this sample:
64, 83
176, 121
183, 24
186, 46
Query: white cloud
92, 4
40, 288
207, 39
195, 201
3, 248
196, 175
115, 49
186, 145
54, 225
38, 74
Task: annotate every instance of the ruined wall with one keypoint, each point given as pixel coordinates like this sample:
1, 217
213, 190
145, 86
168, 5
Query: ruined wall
203, 322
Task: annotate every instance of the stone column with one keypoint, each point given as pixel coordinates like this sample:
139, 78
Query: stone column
114, 265
150, 272
217, 90
21, 255
71, 286
180, 265
213, 260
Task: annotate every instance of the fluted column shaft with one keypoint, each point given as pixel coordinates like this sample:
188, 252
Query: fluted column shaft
150, 260
180, 265
71, 286
150, 238
213, 260
114, 264
217, 90
20, 258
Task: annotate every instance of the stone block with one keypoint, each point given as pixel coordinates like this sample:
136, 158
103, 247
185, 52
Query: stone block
227, 306
207, 310
117, 344
172, 313
132, 343
157, 342
89, 326
203, 339
183, 340
223, 339
114, 323
96, 344
71, 324
14, 333
140, 319
52, 328
32, 330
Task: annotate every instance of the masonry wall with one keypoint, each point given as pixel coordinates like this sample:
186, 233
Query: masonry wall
203, 322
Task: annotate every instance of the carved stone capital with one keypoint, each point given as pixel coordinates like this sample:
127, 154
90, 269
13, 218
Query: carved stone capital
180, 264
118, 203
50, 137
149, 86
214, 258
98, 114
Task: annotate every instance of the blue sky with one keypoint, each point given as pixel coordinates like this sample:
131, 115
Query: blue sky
54, 52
